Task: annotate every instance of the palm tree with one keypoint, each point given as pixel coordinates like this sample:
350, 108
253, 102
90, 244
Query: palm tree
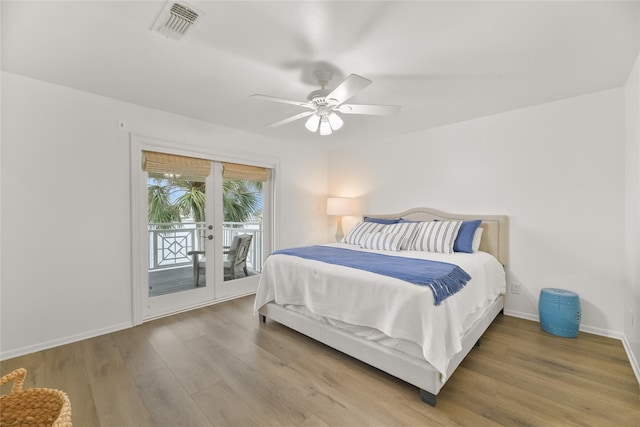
192, 201
161, 210
240, 200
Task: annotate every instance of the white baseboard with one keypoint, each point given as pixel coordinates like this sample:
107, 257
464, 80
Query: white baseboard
584, 328
592, 330
114, 328
521, 315
97, 332
632, 359
62, 341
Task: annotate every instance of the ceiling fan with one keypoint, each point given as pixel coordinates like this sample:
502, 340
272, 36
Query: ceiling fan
325, 104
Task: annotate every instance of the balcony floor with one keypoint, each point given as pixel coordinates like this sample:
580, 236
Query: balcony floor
167, 281
162, 282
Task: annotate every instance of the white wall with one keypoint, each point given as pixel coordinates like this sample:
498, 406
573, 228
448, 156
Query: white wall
66, 246
556, 169
632, 218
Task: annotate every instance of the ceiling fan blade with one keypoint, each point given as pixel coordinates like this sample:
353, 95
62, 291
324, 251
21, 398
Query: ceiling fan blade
291, 119
282, 100
375, 110
349, 87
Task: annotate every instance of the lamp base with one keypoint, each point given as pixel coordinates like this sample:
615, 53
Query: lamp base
339, 233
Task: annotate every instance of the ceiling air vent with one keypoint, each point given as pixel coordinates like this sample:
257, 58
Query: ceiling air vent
177, 19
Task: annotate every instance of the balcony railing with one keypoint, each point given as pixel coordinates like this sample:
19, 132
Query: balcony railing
170, 242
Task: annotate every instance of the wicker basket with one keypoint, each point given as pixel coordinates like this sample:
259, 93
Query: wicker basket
33, 406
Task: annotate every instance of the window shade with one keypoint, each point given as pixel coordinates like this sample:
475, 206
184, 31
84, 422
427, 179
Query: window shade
246, 172
170, 163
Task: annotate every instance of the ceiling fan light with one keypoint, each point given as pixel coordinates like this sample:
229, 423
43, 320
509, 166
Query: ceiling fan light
325, 127
313, 123
335, 121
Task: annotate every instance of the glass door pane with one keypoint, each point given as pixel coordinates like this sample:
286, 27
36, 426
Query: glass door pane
244, 213
242, 228
177, 233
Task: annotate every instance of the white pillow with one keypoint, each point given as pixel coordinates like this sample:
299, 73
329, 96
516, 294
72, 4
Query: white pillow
408, 231
436, 236
358, 233
381, 241
477, 236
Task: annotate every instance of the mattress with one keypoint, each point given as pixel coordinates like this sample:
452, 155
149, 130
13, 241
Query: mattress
389, 311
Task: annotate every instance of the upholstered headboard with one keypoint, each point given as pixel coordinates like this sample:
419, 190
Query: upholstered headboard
495, 234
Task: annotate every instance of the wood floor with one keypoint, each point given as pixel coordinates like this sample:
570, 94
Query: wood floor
217, 366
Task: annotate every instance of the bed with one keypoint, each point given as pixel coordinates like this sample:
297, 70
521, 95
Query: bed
319, 299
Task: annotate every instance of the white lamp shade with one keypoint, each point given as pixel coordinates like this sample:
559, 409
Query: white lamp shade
339, 206
325, 127
313, 123
335, 121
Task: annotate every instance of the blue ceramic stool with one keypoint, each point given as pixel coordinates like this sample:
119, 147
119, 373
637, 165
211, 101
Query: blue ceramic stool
559, 312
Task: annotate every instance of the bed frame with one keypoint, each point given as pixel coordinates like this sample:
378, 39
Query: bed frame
495, 240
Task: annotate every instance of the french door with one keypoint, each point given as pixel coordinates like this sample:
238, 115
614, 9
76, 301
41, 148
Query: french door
186, 253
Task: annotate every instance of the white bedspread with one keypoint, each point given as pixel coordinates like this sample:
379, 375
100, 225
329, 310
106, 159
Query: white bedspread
396, 308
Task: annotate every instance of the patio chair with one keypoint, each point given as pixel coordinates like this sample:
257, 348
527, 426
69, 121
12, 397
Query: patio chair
236, 259
237, 256
199, 266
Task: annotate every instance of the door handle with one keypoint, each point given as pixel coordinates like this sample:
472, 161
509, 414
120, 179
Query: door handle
210, 237
210, 227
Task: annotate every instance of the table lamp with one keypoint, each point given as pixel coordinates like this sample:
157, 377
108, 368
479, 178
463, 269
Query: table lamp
339, 206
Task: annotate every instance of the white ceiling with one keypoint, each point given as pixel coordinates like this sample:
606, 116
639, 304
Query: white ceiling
443, 62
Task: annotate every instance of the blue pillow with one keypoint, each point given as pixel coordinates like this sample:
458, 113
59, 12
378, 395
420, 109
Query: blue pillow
464, 240
381, 220
406, 220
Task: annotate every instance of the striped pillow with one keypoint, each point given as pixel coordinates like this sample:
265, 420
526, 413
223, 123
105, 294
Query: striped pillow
357, 235
408, 231
475, 246
436, 236
381, 241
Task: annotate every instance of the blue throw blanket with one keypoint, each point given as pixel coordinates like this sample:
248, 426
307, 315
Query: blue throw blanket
443, 278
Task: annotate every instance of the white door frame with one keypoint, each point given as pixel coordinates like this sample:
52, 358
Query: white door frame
141, 303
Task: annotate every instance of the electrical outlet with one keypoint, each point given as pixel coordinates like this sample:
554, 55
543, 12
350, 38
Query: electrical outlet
515, 288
